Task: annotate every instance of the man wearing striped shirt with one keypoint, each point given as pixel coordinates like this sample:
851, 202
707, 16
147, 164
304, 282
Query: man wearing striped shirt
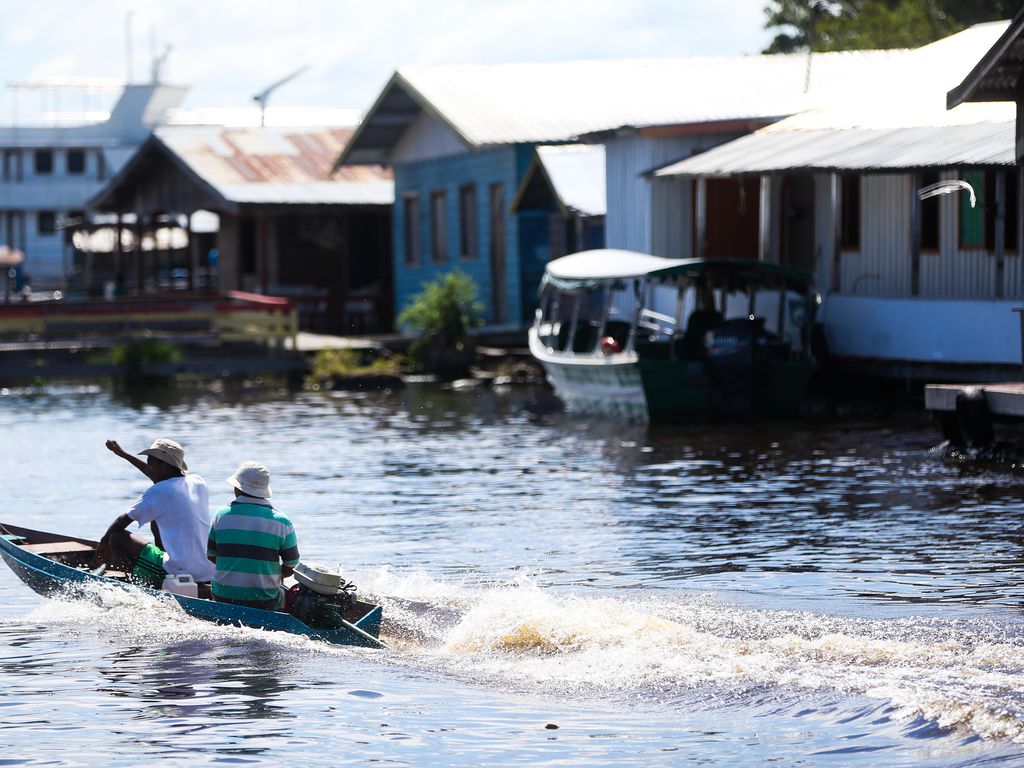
252, 545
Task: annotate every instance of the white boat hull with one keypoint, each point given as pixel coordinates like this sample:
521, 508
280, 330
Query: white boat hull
603, 385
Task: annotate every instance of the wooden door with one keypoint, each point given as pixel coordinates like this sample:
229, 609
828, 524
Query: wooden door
733, 208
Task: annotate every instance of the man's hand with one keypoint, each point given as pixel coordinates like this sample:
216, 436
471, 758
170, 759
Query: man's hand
102, 556
117, 450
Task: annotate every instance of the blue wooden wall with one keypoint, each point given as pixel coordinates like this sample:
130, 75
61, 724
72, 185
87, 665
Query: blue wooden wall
505, 165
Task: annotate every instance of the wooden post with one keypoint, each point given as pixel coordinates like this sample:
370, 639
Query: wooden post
119, 256
193, 255
701, 214
140, 259
837, 238
1020, 314
915, 235
262, 251
1019, 132
764, 219
1000, 243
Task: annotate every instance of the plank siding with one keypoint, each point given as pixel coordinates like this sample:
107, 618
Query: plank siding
494, 166
645, 215
426, 139
882, 266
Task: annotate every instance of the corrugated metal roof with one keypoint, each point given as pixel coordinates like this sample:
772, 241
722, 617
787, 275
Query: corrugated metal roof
901, 122
576, 172
561, 101
854, 149
381, 192
277, 165
994, 78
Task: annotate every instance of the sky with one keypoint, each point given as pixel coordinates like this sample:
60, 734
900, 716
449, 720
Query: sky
228, 50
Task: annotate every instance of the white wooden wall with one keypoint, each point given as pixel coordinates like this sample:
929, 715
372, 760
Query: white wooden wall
883, 264
645, 214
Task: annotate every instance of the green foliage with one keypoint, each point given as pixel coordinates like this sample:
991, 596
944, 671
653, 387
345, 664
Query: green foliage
134, 354
444, 312
329, 364
874, 24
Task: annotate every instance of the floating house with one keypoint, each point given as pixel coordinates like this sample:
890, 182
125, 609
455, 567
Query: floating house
910, 287
463, 140
49, 172
283, 222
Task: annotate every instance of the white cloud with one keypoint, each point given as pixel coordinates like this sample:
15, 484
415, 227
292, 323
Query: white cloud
226, 50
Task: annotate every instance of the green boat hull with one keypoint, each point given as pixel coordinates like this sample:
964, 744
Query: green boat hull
678, 391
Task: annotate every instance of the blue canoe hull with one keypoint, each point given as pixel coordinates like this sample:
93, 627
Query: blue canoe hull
50, 577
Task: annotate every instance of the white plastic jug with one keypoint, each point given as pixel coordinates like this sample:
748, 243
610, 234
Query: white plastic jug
181, 584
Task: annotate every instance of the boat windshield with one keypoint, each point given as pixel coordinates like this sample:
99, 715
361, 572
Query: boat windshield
681, 311
574, 321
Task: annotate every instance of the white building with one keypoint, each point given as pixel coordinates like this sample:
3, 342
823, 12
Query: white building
910, 287
47, 173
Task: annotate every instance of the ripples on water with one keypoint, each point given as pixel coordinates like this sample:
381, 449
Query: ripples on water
825, 595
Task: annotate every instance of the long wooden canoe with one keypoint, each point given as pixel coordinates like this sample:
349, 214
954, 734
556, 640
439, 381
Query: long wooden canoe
53, 564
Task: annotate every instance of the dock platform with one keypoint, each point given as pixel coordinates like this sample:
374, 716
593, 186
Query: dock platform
1003, 399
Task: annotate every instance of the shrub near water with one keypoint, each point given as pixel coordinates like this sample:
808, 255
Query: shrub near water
443, 313
136, 353
331, 364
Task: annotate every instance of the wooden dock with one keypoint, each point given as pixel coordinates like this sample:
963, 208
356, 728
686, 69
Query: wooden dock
1004, 399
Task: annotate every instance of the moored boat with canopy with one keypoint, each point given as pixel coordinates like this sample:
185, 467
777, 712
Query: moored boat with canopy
650, 338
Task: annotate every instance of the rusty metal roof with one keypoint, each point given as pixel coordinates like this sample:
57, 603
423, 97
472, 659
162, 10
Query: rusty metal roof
276, 165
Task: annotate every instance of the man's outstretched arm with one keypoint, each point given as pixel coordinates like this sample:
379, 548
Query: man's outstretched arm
138, 463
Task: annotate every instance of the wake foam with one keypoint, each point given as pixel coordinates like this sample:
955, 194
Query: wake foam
960, 675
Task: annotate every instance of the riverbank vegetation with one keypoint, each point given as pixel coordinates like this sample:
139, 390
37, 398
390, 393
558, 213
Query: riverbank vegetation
341, 368
443, 313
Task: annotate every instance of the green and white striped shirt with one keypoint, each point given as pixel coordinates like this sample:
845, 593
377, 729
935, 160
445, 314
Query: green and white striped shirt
250, 540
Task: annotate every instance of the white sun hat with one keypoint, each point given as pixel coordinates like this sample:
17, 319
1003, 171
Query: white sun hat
168, 452
252, 478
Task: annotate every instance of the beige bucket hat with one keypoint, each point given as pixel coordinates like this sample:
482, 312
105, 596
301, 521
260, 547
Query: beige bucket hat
167, 451
252, 478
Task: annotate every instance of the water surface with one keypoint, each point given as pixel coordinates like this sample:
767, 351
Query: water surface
795, 594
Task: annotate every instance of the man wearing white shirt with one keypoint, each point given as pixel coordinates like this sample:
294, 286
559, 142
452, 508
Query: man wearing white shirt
177, 509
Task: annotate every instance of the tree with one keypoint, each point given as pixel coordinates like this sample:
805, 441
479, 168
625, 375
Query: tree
843, 25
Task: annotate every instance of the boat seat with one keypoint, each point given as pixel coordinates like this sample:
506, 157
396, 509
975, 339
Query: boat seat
58, 548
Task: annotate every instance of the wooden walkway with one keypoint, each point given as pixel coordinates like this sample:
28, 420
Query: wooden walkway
1005, 399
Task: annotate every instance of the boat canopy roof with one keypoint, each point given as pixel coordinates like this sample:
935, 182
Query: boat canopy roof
604, 266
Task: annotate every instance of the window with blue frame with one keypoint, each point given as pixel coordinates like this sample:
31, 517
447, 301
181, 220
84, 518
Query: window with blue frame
467, 222
43, 162
438, 227
46, 222
411, 225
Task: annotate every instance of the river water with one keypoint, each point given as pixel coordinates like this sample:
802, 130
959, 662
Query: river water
785, 594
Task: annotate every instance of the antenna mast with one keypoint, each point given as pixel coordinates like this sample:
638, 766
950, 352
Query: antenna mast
263, 96
128, 46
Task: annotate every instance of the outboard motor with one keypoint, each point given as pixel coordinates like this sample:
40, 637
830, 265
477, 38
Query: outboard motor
321, 596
